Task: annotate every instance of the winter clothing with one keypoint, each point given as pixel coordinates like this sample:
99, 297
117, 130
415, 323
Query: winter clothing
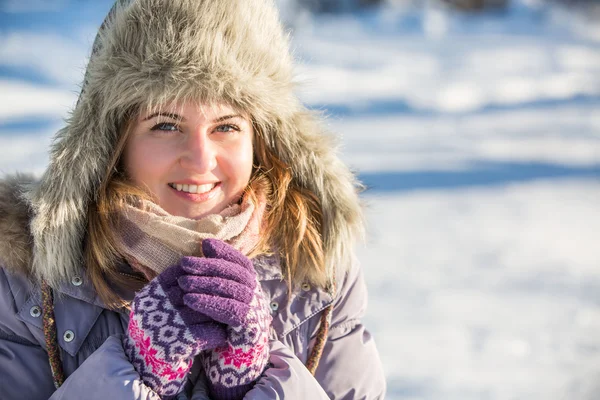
97, 367
149, 53
164, 334
239, 303
152, 239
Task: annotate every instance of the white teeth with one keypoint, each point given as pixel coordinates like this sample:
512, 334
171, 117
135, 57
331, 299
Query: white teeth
205, 188
193, 188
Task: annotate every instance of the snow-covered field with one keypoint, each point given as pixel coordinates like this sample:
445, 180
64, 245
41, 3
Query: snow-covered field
479, 140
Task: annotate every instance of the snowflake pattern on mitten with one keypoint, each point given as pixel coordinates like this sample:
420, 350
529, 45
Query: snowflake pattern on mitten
232, 369
164, 336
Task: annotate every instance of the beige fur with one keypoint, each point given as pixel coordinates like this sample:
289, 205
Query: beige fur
15, 240
149, 52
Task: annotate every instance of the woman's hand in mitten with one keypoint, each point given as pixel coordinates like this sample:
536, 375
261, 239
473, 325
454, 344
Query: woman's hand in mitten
227, 290
164, 335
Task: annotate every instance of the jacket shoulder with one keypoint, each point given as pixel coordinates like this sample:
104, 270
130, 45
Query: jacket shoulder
15, 290
15, 238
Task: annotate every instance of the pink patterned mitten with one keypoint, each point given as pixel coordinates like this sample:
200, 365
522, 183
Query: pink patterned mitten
164, 335
230, 293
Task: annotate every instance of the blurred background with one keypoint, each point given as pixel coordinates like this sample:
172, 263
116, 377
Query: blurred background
475, 125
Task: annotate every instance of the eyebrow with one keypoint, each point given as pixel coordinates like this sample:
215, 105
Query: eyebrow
163, 114
226, 117
180, 118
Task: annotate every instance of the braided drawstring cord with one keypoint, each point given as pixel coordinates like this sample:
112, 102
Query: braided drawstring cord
50, 335
317, 351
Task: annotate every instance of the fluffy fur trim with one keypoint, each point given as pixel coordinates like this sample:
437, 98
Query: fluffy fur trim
151, 52
15, 239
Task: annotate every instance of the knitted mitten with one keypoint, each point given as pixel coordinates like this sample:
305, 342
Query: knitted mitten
228, 291
164, 335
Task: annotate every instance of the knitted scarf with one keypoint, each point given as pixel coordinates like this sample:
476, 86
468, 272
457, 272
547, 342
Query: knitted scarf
152, 240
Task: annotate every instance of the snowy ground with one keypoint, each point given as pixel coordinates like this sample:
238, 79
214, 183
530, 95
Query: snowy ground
479, 140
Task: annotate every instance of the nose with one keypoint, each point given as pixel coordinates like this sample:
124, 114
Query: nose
199, 154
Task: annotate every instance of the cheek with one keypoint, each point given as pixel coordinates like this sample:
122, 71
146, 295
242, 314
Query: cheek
142, 164
244, 162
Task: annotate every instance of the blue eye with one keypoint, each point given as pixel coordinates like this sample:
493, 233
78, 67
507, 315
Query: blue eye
227, 128
165, 126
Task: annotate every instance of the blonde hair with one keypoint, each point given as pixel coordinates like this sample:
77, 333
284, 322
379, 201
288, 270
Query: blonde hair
292, 226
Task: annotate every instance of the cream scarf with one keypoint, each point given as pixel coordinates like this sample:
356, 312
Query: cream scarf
152, 240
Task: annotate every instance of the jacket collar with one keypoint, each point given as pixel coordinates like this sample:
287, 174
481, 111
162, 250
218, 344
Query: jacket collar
81, 288
268, 267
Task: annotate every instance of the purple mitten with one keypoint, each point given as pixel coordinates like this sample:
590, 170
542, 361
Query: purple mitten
164, 335
227, 290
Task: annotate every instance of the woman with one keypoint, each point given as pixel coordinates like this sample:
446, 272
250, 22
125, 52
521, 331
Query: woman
191, 237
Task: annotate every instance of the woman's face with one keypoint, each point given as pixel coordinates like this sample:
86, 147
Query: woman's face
194, 160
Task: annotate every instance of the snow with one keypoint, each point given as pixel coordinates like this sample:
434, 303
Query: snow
478, 138
485, 293
479, 141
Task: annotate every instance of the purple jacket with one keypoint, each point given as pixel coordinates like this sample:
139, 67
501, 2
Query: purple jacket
97, 367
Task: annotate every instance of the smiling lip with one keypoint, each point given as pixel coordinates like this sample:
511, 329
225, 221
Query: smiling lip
196, 197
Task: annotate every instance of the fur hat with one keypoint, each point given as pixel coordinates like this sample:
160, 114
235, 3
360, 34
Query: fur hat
150, 52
